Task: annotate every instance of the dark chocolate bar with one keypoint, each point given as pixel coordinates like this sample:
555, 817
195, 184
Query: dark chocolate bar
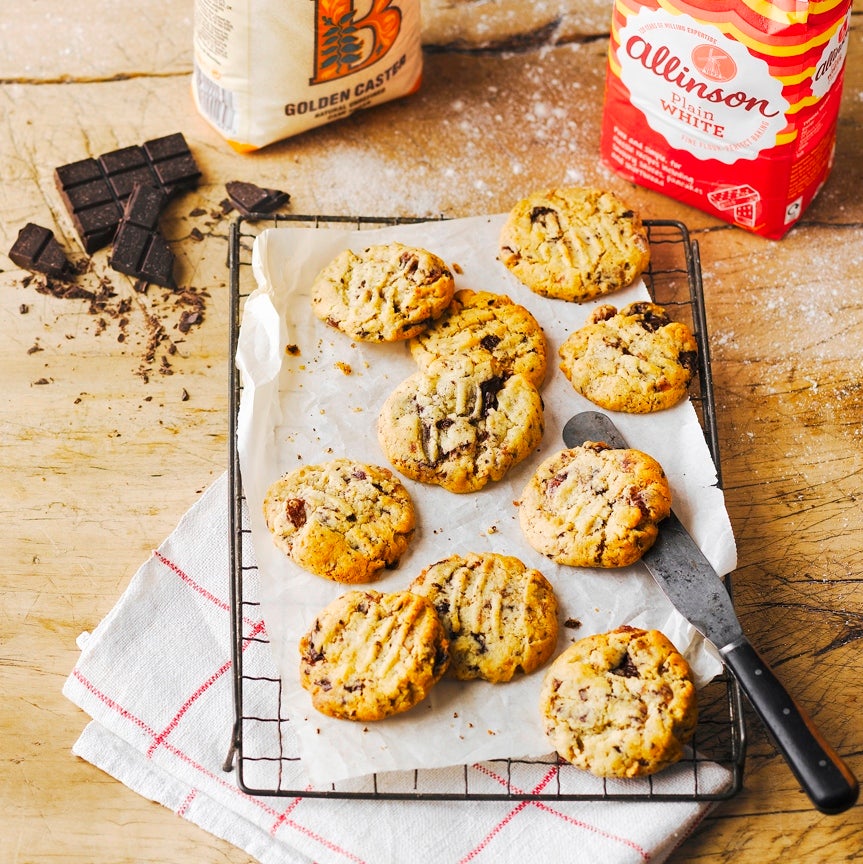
37, 249
95, 191
139, 248
249, 198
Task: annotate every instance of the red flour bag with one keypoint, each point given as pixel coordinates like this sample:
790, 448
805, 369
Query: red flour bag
268, 69
728, 105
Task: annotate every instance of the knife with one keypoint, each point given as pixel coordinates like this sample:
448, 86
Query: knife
695, 589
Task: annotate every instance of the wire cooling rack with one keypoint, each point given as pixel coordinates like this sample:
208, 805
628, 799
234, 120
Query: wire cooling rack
263, 748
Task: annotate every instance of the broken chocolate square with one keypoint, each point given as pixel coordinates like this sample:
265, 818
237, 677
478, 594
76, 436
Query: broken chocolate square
250, 199
173, 162
94, 208
139, 248
37, 249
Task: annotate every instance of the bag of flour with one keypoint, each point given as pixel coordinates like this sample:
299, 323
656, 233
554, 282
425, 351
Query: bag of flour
728, 105
268, 69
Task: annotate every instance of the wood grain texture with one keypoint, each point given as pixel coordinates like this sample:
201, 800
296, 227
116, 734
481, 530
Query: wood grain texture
112, 424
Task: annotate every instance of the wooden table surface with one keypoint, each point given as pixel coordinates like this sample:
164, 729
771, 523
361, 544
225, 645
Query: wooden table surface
113, 419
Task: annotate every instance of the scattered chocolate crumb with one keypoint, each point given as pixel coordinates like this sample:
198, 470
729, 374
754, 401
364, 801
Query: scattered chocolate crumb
184, 395
293, 350
187, 319
34, 348
572, 623
23, 308
41, 381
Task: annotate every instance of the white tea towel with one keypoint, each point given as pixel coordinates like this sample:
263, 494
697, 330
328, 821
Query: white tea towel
156, 679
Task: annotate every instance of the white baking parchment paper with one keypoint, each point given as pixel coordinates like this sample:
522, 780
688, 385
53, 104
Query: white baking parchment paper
311, 394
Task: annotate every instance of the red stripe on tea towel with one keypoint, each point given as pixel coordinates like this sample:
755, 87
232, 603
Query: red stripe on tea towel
114, 706
160, 739
222, 604
541, 805
183, 809
279, 819
204, 592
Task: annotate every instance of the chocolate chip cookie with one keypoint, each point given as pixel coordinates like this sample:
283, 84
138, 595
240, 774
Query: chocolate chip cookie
460, 423
574, 243
369, 655
636, 360
343, 520
620, 704
499, 615
483, 322
595, 506
386, 293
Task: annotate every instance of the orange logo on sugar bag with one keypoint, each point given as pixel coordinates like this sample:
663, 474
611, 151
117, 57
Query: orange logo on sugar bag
345, 44
269, 69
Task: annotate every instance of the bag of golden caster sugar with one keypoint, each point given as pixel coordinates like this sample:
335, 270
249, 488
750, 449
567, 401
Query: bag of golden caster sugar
268, 69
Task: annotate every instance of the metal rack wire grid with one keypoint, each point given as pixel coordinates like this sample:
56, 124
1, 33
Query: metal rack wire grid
263, 748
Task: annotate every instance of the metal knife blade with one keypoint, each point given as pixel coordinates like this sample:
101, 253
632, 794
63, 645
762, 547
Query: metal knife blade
694, 588
675, 560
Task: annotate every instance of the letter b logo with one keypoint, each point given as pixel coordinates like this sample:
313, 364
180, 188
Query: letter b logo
344, 44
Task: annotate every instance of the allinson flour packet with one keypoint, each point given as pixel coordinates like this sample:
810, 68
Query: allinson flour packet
728, 105
268, 69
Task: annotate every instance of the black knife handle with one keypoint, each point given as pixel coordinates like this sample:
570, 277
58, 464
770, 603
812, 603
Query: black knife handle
819, 769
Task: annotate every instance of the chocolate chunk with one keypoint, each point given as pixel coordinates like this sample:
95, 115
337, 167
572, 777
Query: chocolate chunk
626, 667
249, 198
489, 390
94, 209
95, 191
139, 249
173, 162
37, 249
